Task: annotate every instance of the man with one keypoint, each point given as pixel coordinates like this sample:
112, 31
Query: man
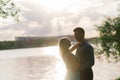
85, 55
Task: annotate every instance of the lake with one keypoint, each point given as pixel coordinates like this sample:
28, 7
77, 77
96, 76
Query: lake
45, 64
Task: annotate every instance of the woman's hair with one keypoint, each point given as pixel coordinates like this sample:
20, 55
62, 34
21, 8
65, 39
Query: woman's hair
64, 45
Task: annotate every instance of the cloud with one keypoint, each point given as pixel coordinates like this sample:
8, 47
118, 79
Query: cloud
37, 20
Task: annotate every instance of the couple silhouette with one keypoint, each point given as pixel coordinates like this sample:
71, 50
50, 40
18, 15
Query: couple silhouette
79, 66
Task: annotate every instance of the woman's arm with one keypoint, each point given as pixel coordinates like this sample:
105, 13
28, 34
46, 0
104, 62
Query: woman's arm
73, 61
74, 47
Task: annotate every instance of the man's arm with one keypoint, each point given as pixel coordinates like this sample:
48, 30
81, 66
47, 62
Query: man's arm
74, 47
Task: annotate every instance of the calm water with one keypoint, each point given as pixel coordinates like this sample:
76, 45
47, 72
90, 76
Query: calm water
45, 64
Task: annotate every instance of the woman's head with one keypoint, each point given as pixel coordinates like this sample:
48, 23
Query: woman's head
64, 45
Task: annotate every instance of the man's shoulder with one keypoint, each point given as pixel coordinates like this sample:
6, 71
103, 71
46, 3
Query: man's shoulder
88, 45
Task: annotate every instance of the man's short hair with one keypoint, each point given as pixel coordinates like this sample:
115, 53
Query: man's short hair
79, 29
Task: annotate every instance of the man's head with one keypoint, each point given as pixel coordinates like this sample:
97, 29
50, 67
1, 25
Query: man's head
79, 34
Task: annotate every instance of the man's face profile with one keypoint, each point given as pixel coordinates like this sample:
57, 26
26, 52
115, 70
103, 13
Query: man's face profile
78, 35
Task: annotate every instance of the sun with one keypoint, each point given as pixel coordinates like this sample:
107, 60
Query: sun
55, 5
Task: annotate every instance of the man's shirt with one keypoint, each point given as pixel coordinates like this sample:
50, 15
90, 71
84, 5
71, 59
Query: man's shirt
85, 54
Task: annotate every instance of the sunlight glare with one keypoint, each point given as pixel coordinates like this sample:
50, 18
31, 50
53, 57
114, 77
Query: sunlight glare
53, 50
60, 66
55, 5
60, 70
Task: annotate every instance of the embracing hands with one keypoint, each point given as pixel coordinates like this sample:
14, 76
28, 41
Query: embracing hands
74, 47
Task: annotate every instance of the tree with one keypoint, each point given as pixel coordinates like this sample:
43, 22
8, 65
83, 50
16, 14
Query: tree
9, 9
110, 37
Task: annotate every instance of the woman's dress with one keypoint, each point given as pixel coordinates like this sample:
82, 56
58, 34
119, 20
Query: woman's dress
72, 65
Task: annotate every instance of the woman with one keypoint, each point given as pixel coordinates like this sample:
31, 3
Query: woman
70, 60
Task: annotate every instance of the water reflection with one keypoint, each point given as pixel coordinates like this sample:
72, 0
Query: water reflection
36, 68
7, 71
45, 64
30, 68
30, 64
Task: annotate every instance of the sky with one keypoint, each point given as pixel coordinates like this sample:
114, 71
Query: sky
57, 17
